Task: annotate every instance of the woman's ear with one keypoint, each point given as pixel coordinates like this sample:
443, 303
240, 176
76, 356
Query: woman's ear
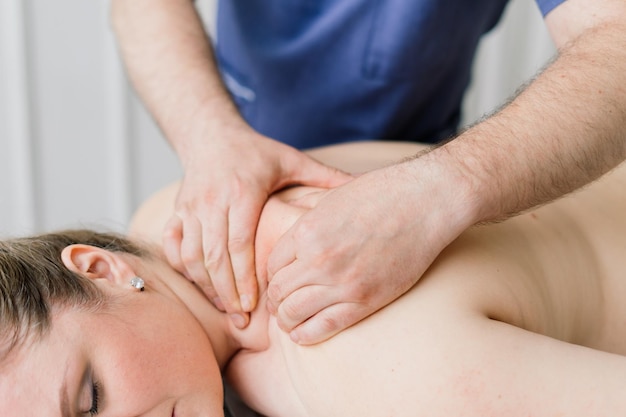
94, 263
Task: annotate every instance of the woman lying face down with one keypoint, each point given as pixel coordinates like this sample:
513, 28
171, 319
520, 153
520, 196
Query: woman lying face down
78, 339
519, 318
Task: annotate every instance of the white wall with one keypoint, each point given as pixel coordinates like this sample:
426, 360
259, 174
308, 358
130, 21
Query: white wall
509, 55
76, 147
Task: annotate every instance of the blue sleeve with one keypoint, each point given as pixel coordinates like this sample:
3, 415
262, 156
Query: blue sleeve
546, 6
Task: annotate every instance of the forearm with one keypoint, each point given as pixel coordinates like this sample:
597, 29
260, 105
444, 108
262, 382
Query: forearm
171, 65
563, 131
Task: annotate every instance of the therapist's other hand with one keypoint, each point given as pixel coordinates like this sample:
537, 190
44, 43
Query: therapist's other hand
210, 238
363, 245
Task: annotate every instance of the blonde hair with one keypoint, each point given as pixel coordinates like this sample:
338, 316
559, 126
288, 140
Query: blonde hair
33, 279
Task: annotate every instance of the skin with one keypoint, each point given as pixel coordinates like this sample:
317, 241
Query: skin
563, 131
133, 349
520, 318
516, 294
210, 236
153, 353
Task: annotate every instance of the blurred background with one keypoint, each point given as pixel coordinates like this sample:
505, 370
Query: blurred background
77, 149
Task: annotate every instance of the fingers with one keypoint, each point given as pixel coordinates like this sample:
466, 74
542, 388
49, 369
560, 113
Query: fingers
310, 200
172, 237
284, 283
199, 252
227, 299
328, 322
192, 257
333, 178
213, 258
312, 313
305, 302
308, 171
184, 249
242, 224
185, 254
211, 239
282, 255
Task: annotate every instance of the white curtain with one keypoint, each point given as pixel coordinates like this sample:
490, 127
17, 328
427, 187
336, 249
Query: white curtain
78, 149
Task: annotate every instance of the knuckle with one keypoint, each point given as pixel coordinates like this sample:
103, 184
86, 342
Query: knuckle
185, 257
176, 263
271, 307
290, 310
238, 243
179, 266
327, 323
212, 258
183, 209
206, 285
172, 254
189, 205
238, 189
331, 323
188, 257
171, 231
306, 231
274, 292
170, 239
360, 292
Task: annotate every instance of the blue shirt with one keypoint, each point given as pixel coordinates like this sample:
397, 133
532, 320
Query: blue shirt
316, 72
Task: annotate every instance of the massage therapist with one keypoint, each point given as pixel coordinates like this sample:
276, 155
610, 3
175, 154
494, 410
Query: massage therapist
286, 75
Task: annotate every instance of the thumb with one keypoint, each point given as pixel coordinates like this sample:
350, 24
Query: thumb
316, 174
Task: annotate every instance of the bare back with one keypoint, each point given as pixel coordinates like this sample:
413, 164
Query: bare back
486, 324
555, 271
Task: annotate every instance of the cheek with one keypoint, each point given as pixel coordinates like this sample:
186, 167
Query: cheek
158, 360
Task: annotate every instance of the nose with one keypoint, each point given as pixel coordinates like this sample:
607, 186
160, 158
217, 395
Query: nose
165, 409
172, 409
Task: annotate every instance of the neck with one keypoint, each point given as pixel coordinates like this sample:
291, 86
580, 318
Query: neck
277, 216
216, 325
218, 328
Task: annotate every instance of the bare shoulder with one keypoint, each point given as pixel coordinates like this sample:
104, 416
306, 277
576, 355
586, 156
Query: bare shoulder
150, 218
359, 157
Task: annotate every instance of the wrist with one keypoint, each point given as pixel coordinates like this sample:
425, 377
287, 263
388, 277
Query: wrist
205, 128
452, 195
466, 202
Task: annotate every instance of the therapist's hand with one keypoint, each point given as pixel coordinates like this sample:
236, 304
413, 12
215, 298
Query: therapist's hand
362, 246
210, 238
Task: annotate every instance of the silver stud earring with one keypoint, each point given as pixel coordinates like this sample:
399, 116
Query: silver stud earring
137, 283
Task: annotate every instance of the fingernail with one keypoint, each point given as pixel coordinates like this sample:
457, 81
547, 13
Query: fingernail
217, 302
238, 320
246, 305
294, 337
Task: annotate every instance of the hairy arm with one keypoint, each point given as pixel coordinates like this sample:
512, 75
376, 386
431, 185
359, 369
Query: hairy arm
230, 169
564, 130
339, 262
169, 59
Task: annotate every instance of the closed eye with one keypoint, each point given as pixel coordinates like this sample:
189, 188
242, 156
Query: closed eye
95, 397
